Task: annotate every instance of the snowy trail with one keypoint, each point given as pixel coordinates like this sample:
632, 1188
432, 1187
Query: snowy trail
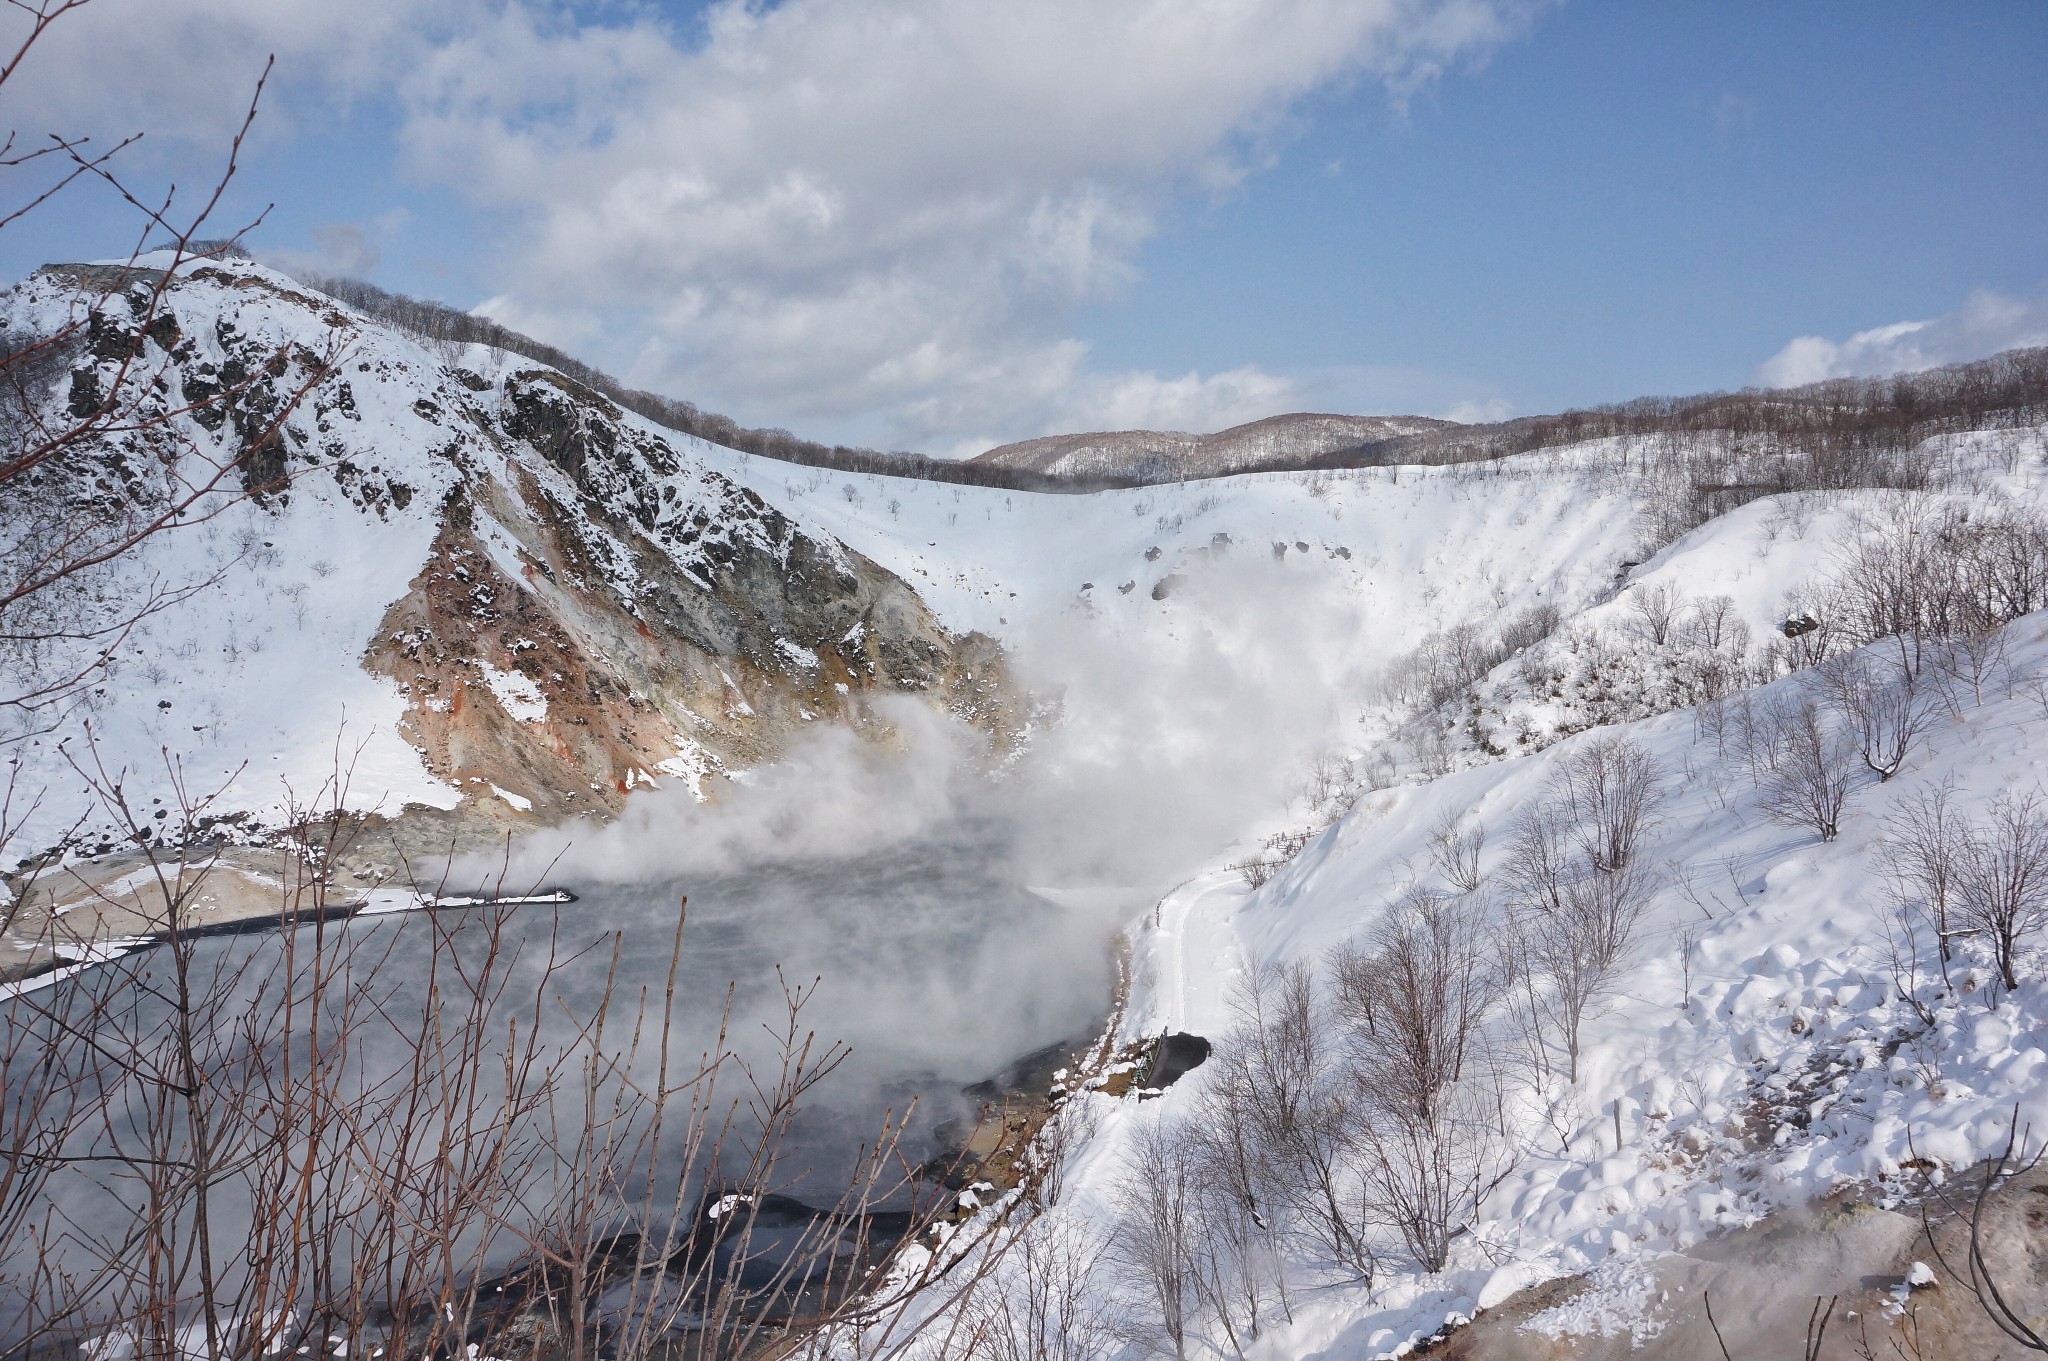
1189, 955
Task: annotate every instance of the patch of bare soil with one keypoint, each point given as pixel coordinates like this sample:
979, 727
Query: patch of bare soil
1853, 1259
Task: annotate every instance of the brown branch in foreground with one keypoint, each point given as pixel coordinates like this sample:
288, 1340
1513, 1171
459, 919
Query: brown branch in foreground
420, 1134
60, 536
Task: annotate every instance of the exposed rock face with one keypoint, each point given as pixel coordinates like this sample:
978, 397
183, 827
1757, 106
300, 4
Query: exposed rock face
594, 602
691, 674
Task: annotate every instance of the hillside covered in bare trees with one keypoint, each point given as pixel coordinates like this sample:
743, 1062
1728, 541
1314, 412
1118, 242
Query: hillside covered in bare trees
1735, 446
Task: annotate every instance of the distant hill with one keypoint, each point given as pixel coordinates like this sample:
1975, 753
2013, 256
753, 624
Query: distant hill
1172, 455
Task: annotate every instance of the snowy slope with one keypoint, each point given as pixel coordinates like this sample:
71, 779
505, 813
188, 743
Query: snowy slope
1756, 1050
473, 576
1412, 547
485, 588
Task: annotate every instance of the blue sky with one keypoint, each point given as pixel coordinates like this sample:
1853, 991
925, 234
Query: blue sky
971, 233
1630, 199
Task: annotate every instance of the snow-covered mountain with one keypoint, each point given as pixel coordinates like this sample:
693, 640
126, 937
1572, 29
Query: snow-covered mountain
504, 595
1765, 1050
1783, 1059
492, 587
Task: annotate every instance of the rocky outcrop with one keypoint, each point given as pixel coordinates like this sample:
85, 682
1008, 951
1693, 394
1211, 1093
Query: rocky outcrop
661, 618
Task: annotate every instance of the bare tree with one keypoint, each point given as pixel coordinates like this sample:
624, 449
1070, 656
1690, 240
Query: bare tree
1926, 839
1613, 792
1044, 1305
1444, 665
1195, 1245
1545, 852
1412, 999
1579, 945
2001, 891
1528, 627
1431, 746
1937, 581
1329, 788
1413, 996
1455, 846
1971, 657
1892, 582
2034, 685
1714, 622
1572, 923
1885, 708
1657, 610
1280, 1119
2007, 562
1382, 769
1902, 931
1808, 784
1159, 1227
1236, 1267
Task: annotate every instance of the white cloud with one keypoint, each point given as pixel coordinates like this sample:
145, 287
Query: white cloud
1063, 396
1986, 323
1469, 412
339, 248
861, 218
1146, 401
874, 217
183, 72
